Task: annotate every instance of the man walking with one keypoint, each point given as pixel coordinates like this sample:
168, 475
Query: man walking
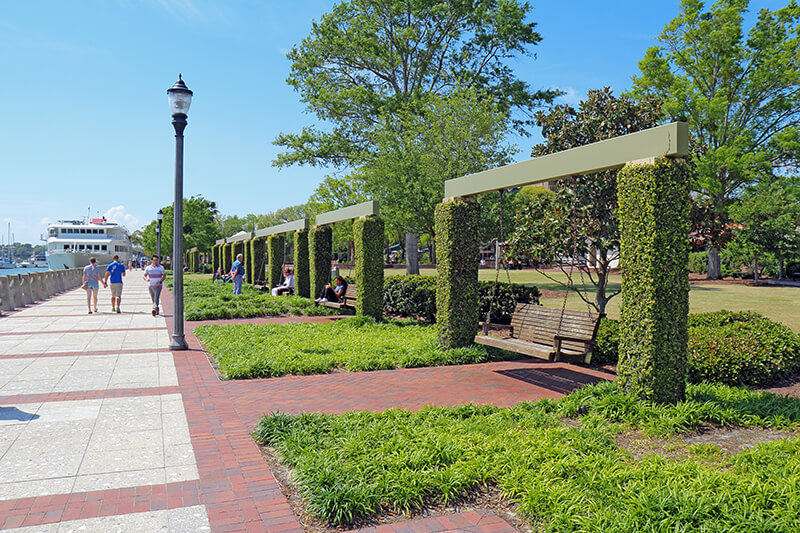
115, 270
237, 272
155, 275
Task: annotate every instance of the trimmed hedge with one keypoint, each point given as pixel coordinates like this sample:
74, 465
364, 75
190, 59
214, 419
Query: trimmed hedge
457, 230
654, 256
302, 275
743, 348
727, 347
319, 258
368, 237
276, 247
415, 297
257, 258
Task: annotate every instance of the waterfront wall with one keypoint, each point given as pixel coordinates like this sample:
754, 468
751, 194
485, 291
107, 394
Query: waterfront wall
19, 290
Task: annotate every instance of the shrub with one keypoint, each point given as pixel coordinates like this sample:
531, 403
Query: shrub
698, 262
606, 351
740, 348
415, 297
654, 256
733, 348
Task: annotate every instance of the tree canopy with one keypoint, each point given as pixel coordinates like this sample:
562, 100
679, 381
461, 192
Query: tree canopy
199, 229
740, 95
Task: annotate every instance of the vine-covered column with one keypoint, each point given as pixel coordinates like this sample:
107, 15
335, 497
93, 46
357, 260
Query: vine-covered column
654, 257
319, 257
368, 237
302, 275
457, 305
276, 245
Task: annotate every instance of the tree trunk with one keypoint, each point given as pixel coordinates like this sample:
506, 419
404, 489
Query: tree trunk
714, 264
755, 269
601, 264
432, 248
781, 269
412, 253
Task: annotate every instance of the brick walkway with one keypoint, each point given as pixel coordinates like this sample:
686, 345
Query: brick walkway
104, 429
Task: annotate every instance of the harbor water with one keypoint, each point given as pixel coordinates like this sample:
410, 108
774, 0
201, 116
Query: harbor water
28, 270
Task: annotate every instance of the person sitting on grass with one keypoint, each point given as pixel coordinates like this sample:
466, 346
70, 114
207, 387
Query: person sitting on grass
333, 293
287, 287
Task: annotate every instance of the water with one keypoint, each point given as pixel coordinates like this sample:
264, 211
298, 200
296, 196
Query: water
9, 271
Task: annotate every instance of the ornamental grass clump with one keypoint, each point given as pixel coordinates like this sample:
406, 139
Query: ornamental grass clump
564, 476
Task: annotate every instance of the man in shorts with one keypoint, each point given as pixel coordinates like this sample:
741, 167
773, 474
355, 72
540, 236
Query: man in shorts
115, 270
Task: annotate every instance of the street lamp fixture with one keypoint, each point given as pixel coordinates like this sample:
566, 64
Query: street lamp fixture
159, 217
180, 98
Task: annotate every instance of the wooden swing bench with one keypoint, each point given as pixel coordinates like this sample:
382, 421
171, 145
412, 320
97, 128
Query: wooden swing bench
348, 302
260, 284
543, 332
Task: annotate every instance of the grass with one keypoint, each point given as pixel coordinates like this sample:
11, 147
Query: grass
355, 344
204, 300
781, 304
564, 476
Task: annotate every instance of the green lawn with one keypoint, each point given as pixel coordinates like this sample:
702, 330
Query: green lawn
781, 304
355, 344
561, 461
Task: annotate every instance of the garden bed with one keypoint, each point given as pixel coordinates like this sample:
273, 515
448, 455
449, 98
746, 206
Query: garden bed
204, 300
351, 344
593, 461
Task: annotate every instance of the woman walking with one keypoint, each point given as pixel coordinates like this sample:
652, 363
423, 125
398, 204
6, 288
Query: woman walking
92, 277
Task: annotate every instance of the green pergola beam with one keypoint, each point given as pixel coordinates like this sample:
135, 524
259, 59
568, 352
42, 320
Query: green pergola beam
239, 237
363, 209
670, 140
286, 227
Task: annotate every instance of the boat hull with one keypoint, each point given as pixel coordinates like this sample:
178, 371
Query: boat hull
64, 260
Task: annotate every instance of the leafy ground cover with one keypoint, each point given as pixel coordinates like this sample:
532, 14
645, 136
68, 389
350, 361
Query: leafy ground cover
204, 300
560, 461
354, 343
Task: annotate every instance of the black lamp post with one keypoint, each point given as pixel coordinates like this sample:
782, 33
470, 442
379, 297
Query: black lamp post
180, 97
159, 217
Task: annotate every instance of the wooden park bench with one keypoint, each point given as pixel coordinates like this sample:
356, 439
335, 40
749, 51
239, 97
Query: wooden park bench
348, 302
260, 284
542, 332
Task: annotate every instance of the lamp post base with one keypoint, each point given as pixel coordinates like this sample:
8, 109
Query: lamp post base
178, 342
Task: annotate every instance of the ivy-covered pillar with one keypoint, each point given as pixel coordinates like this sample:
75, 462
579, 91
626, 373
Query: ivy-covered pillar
236, 249
226, 258
654, 256
457, 305
248, 272
368, 237
257, 261
215, 258
276, 245
302, 278
319, 258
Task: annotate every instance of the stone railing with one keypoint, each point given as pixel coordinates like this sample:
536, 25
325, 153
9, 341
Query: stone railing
19, 290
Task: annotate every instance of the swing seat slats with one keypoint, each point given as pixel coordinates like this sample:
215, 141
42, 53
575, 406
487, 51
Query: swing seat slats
539, 331
349, 301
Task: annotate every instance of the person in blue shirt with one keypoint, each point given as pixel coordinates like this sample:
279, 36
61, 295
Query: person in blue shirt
237, 272
115, 270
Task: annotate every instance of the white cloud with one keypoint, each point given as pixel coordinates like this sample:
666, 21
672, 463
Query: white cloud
570, 96
117, 214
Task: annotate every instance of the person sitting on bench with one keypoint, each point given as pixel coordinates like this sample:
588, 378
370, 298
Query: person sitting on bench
333, 294
287, 287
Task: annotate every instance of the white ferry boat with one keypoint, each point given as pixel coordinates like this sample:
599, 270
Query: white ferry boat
70, 243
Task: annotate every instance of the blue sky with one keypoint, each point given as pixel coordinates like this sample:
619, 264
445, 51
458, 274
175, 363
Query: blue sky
84, 121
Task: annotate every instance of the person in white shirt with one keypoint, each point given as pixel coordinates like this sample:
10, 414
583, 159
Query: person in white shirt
155, 275
287, 287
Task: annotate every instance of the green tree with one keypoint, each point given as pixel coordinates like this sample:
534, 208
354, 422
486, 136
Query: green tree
578, 227
367, 60
740, 96
417, 151
199, 227
769, 214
